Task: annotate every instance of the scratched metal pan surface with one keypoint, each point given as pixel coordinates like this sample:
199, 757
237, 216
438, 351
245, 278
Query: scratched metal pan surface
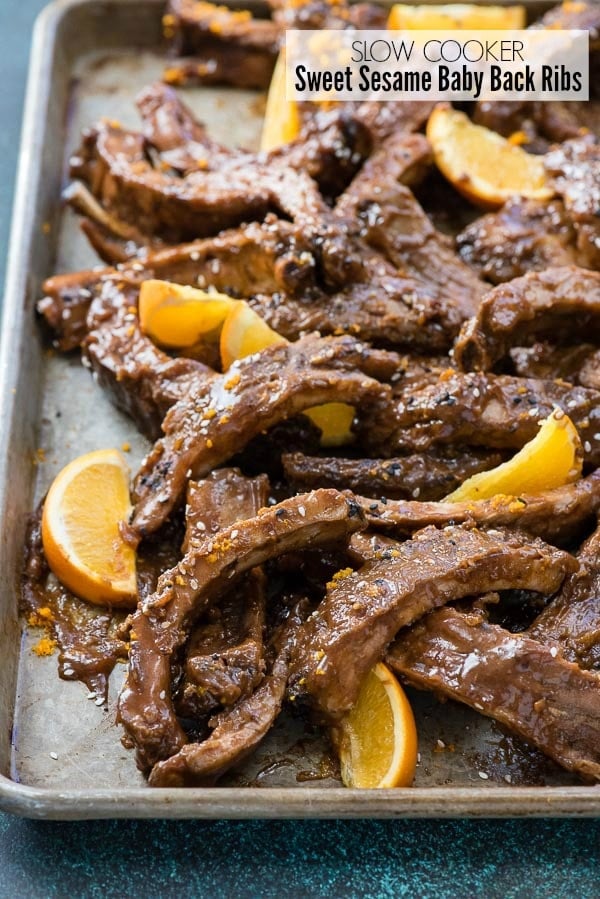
60, 754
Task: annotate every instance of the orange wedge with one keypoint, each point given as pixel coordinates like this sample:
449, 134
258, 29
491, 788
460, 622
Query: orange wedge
81, 529
377, 740
335, 421
456, 16
176, 316
552, 459
244, 332
482, 165
282, 119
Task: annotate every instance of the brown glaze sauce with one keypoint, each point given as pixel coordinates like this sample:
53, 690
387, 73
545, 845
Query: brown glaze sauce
91, 639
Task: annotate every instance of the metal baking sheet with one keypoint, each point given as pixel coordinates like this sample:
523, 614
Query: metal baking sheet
60, 754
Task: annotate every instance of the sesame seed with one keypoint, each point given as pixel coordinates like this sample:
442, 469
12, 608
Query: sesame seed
508, 778
553, 651
587, 446
483, 775
53, 755
99, 701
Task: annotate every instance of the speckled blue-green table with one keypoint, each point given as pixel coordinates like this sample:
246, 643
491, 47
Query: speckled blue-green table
287, 859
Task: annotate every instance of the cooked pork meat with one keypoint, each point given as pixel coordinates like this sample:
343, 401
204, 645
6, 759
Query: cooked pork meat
142, 380
238, 730
577, 364
429, 476
574, 167
224, 658
217, 502
527, 235
561, 303
171, 128
393, 222
222, 193
330, 147
481, 409
558, 516
518, 681
227, 46
571, 621
227, 411
523, 236
368, 545
319, 14
557, 120
268, 258
160, 624
401, 159
65, 307
388, 309
363, 611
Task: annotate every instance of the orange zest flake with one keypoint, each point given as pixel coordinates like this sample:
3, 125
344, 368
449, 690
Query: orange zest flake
173, 75
447, 374
40, 617
44, 647
517, 138
233, 381
339, 576
210, 413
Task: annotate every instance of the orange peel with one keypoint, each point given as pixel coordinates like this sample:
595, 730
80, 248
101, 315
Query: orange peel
553, 458
377, 739
483, 166
81, 529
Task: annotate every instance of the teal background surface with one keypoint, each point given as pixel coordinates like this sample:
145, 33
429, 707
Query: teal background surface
510, 859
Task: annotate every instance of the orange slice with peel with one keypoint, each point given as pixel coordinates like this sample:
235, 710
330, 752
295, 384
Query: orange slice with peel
551, 459
81, 532
482, 165
456, 16
377, 739
173, 315
282, 118
244, 333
